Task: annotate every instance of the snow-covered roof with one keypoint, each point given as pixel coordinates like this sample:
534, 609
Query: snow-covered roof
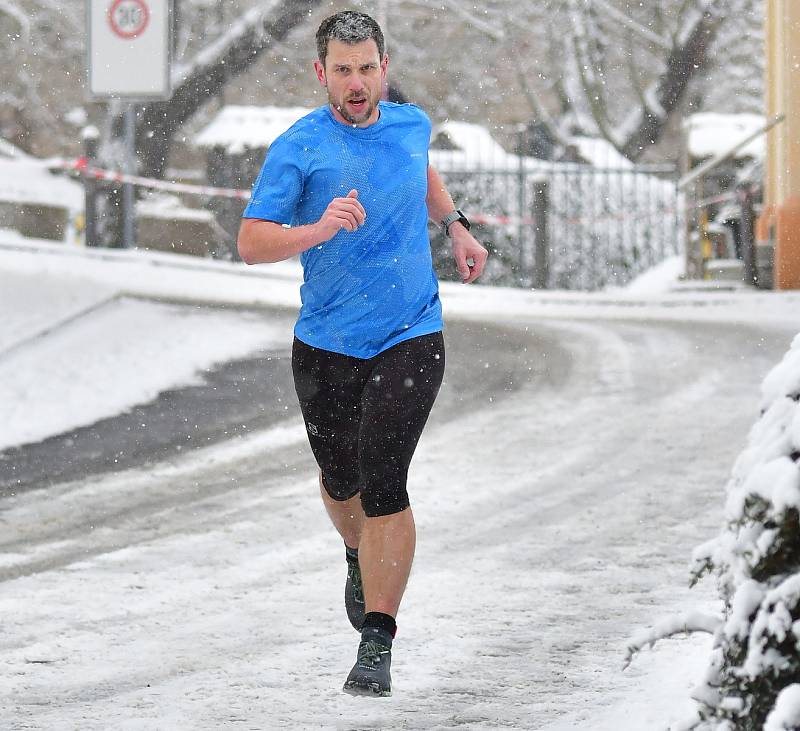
11, 151
237, 128
170, 207
26, 180
466, 146
469, 138
600, 153
711, 134
462, 146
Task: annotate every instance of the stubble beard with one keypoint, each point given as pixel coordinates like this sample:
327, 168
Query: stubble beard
340, 106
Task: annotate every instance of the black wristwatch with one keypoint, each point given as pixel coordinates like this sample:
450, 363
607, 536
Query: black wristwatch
456, 215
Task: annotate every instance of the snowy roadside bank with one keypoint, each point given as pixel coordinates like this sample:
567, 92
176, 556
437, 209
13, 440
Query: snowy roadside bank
174, 277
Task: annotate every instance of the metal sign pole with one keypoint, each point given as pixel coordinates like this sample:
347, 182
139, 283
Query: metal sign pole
128, 197
128, 58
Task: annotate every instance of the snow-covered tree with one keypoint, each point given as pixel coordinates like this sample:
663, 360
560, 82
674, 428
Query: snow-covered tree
40, 77
752, 681
756, 656
611, 68
615, 70
200, 78
598, 67
734, 81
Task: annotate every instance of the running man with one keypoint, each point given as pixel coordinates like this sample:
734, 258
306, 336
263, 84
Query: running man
349, 188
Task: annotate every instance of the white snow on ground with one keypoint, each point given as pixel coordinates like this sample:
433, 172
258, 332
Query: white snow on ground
151, 274
204, 620
657, 693
33, 302
122, 353
75, 349
658, 280
169, 207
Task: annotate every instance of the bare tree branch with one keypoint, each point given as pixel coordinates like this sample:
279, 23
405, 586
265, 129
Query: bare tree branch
685, 7
540, 114
497, 34
632, 25
12, 11
200, 81
645, 126
586, 65
633, 75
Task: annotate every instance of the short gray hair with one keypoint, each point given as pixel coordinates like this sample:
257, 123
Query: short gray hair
348, 26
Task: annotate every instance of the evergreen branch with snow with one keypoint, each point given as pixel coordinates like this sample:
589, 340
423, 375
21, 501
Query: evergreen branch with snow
752, 680
669, 627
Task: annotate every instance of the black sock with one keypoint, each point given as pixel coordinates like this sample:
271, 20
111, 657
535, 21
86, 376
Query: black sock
351, 554
379, 620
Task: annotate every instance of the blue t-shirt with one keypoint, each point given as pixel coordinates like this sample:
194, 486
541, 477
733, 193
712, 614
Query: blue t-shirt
367, 290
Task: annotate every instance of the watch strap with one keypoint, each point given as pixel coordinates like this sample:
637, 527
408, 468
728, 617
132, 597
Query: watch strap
452, 217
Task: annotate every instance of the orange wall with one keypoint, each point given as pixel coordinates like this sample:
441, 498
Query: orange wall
782, 180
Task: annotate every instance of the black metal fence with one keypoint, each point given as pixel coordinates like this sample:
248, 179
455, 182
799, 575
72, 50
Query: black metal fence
564, 225
547, 224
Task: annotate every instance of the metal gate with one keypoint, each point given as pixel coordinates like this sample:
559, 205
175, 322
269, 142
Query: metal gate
566, 225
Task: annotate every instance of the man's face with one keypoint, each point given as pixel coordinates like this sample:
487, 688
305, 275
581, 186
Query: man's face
353, 75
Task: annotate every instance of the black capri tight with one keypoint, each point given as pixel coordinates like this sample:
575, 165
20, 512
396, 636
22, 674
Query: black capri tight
364, 417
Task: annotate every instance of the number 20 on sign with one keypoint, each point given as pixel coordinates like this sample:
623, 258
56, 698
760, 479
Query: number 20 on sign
128, 49
128, 18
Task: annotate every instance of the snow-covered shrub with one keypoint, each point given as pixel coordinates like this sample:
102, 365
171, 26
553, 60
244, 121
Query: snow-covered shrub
753, 677
757, 561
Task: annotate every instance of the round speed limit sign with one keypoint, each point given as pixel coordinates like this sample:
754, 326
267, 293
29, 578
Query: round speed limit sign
128, 18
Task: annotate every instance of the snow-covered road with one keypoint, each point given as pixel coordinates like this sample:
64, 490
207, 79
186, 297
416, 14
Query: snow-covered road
555, 517
576, 455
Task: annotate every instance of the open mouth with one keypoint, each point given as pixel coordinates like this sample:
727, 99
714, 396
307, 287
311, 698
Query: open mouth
358, 104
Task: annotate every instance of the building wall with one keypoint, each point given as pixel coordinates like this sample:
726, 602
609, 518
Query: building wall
780, 221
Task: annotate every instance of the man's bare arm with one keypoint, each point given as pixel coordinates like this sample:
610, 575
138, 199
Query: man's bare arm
468, 254
264, 242
438, 199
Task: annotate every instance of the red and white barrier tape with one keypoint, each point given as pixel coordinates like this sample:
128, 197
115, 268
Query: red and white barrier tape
83, 168
487, 220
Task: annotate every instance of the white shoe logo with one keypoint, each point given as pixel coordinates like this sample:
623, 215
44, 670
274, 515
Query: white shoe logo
312, 429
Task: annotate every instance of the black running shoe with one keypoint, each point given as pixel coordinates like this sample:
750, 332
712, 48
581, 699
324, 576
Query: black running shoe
354, 592
370, 675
